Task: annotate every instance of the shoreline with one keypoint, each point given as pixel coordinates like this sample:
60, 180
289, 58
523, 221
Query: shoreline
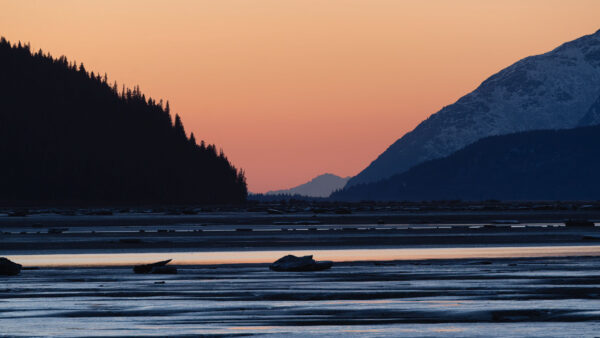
191, 238
270, 215
239, 234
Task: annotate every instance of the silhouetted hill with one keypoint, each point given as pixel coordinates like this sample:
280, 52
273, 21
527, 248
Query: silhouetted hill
535, 165
67, 136
554, 90
320, 186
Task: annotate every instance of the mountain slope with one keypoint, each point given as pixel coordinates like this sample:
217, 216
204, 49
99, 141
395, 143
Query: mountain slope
593, 115
549, 91
533, 165
320, 186
67, 137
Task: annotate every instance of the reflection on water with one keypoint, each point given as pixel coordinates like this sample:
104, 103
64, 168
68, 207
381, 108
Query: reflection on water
371, 301
235, 257
450, 329
246, 328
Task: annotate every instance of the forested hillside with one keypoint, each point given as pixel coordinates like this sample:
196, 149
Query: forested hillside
67, 136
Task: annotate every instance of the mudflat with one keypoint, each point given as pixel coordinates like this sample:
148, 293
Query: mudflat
236, 230
495, 274
516, 297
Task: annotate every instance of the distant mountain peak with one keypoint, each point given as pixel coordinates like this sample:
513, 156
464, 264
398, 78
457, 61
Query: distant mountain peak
554, 90
320, 186
325, 175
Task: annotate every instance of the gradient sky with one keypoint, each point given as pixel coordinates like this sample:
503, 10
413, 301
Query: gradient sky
291, 89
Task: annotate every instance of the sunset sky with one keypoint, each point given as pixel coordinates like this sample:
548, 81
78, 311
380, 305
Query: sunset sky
291, 89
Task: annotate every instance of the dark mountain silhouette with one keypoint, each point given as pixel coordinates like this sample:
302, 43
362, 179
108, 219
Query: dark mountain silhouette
549, 91
534, 165
68, 137
320, 186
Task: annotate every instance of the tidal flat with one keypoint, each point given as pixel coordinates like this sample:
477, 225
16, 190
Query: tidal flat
464, 277
509, 297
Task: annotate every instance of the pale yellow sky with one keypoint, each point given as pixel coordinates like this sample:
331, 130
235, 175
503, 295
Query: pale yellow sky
296, 88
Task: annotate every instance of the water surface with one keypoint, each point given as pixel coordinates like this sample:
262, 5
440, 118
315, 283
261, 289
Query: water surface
516, 297
267, 256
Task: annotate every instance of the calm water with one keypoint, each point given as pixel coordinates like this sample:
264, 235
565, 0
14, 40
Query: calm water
265, 256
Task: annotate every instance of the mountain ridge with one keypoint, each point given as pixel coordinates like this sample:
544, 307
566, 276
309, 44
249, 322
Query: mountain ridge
553, 90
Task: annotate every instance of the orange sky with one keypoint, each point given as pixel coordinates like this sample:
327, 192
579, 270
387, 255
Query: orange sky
291, 89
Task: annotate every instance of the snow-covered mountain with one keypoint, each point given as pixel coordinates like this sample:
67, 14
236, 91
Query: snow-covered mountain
320, 186
554, 90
